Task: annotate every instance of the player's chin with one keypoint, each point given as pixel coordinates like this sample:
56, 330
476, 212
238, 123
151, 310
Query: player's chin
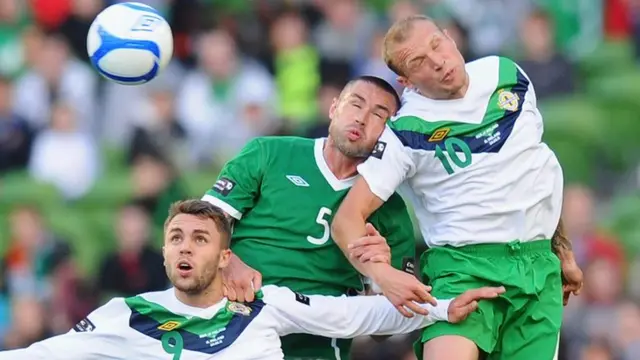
186, 285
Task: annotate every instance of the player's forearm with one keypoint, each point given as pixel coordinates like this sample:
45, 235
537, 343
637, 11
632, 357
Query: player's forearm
349, 227
561, 244
375, 315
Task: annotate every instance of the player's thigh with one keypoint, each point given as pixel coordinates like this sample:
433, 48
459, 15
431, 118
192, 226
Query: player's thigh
477, 333
451, 273
532, 330
450, 347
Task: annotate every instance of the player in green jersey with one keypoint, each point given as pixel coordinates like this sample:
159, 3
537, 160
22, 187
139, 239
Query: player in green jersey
283, 192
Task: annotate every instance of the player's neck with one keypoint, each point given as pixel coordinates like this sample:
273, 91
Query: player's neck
341, 166
207, 298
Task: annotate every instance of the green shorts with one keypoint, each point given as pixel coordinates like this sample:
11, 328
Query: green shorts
309, 347
524, 323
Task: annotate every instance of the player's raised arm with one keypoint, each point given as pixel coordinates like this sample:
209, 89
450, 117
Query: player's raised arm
348, 317
387, 167
235, 192
98, 336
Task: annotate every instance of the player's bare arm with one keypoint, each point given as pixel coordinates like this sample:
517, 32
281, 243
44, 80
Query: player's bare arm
349, 225
240, 280
571, 274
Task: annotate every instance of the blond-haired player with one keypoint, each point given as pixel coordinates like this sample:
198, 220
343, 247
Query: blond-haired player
467, 148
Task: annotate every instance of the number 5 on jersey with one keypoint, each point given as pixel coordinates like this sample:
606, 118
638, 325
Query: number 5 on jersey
452, 146
322, 220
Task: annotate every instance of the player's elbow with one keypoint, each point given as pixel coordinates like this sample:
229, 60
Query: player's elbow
341, 222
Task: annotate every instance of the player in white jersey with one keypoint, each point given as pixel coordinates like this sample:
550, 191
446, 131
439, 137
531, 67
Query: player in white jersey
467, 148
193, 320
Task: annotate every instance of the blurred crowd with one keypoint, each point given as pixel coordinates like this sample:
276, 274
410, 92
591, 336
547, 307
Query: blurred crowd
243, 69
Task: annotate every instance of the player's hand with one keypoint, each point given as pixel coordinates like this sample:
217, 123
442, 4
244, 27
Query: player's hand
404, 291
371, 247
571, 279
467, 303
240, 281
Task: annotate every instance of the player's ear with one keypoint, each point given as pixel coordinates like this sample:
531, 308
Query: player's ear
225, 256
334, 106
404, 82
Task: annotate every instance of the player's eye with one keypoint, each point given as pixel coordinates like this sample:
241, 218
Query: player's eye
201, 240
357, 105
379, 116
175, 238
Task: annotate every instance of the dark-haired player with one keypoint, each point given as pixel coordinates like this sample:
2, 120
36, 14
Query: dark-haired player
283, 193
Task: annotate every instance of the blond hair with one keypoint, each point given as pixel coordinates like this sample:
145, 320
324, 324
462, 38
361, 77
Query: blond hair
397, 34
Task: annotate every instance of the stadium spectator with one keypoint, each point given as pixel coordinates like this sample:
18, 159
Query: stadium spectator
326, 94
33, 255
65, 155
13, 21
214, 97
549, 70
155, 185
297, 69
56, 77
76, 26
28, 323
580, 223
157, 130
595, 314
135, 267
15, 134
374, 65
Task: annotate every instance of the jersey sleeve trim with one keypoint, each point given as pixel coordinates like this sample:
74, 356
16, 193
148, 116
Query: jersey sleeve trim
223, 205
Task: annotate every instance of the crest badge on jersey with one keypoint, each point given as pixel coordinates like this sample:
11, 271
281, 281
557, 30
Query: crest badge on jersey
378, 149
169, 325
439, 135
508, 100
238, 308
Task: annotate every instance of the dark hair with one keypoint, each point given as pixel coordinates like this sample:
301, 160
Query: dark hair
380, 83
202, 210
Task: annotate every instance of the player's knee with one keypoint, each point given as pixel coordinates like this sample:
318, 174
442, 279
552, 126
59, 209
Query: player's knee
450, 347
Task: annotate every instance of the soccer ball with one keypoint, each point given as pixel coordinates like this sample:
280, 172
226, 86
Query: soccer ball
130, 43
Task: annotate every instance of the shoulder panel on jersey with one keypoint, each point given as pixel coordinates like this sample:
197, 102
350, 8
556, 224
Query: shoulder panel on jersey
198, 334
274, 147
504, 108
286, 141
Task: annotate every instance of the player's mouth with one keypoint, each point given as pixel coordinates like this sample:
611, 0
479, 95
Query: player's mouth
448, 76
354, 134
184, 268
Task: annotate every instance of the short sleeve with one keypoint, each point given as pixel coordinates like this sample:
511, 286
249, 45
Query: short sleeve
389, 164
238, 184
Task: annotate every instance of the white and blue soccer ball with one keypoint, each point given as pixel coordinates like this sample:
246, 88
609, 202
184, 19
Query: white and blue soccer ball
130, 43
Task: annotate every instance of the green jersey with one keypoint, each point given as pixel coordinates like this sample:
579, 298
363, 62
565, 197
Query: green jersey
283, 196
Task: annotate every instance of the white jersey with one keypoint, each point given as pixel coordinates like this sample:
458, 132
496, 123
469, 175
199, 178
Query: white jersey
158, 326
475, 169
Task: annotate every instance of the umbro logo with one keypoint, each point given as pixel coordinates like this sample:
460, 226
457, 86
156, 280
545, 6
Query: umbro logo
297, 180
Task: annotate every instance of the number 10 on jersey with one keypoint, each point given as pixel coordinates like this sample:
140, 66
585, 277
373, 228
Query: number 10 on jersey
452, 146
